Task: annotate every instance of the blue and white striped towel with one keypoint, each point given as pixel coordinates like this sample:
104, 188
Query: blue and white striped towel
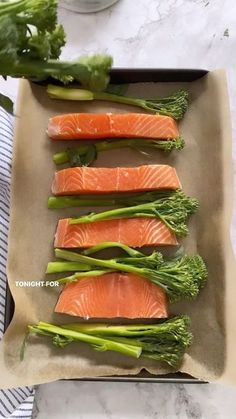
14, 403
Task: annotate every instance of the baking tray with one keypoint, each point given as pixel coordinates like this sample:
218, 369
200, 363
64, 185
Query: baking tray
123, 76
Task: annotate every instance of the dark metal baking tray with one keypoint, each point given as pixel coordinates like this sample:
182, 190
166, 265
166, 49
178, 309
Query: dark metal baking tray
122, 76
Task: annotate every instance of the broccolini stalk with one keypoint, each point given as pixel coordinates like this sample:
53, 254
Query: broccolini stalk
166, 341
85, 155
174, 105
173, 211
108, 245
63, 70
56, 202
98, 343
135, 258
173, 327
56, 267
180, 279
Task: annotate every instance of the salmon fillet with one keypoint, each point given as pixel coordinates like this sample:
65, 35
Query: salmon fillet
113, 295
87, 180
134, 232
77, 126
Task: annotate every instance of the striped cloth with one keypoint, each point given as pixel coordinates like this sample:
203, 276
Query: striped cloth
18, 402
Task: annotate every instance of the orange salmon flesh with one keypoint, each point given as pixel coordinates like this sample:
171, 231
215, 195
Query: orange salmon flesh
113, 295
134, 232
78, 126
87, 180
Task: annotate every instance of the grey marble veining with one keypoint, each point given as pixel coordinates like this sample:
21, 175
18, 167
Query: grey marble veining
149, 33
69, 400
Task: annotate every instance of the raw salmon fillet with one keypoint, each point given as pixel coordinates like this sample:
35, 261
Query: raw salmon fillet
77, 126
86, 180
113, 295
134, 232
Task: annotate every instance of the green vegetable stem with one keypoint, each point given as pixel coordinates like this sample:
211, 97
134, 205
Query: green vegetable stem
55, 202
166, 341
173, 211
181, 278
85, 155
174, 105
31, 41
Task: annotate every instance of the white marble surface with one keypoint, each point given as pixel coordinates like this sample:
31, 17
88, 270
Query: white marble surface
134, 401
149, 33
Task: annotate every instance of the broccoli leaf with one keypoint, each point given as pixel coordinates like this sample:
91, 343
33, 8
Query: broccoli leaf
6, 103
95, 75
30, 45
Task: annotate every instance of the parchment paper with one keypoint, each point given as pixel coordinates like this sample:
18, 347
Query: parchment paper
205, 170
